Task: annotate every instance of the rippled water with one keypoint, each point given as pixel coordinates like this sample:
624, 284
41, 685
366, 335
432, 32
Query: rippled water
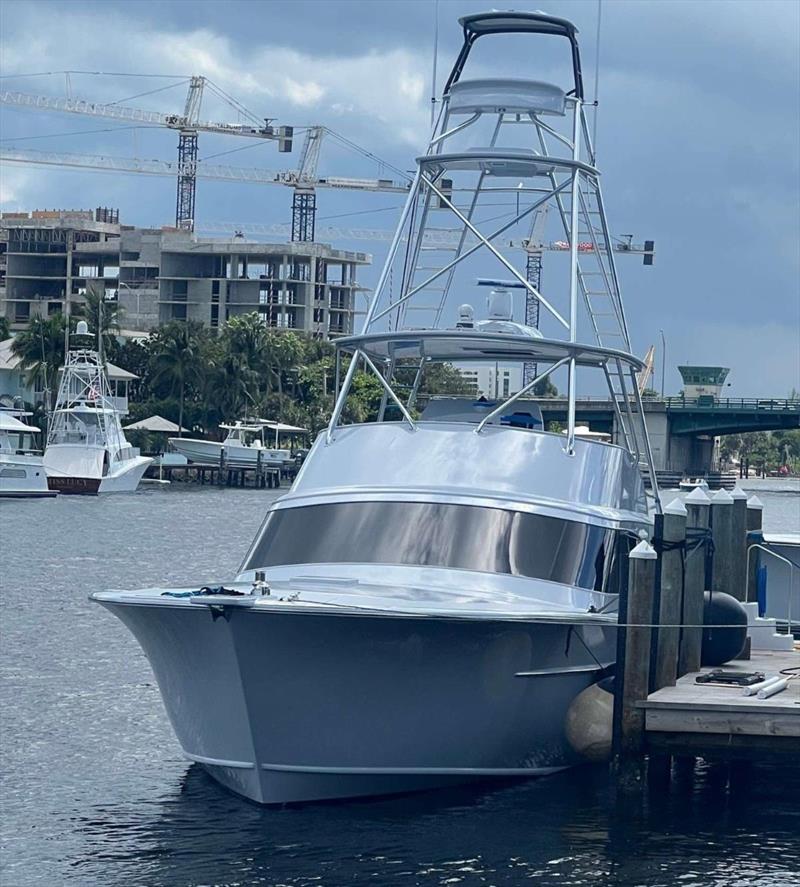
95, 791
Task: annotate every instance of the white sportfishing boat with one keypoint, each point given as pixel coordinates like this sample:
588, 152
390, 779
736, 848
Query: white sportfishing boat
425, 603
244, 445
22, 473
87, 451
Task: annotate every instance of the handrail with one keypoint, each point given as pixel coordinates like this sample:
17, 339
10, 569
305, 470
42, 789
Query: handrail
515, 397
779, 557
388, 389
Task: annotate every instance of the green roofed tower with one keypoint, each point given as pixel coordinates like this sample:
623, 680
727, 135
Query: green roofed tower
703, 381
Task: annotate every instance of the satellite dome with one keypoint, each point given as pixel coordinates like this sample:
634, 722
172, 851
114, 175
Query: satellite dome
82, 328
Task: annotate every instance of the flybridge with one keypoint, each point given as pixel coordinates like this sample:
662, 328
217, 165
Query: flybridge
525, 146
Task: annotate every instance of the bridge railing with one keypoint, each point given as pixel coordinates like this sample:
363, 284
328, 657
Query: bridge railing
771, 404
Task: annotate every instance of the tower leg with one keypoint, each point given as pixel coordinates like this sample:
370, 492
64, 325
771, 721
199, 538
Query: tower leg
304, 210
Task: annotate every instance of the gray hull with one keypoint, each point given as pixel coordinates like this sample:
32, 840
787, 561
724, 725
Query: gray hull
284, 706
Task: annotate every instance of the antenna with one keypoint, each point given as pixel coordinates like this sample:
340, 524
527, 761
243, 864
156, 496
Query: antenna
596, 75
435, 57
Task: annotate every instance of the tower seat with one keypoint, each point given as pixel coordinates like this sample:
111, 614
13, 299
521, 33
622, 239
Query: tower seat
493, 95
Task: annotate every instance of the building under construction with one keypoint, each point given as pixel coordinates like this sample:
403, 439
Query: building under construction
49, 258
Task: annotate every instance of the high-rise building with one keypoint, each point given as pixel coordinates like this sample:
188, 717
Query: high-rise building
162, 274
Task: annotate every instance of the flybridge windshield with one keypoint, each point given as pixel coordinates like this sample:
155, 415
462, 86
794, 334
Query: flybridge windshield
430, 534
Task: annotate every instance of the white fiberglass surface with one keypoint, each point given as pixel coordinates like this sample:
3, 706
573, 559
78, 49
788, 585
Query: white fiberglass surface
357, 588
500, 462
74, 460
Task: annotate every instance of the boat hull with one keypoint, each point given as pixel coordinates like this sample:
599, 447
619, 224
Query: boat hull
75, 486
125, 478
22, 476
295, 706
208, 452
204, 451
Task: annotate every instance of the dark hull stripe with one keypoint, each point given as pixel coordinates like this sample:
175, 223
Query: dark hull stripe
76, 486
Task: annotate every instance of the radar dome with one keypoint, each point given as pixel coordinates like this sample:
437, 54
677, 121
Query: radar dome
466, 317
83, 328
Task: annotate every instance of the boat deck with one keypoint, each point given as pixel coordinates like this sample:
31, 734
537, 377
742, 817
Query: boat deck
692, 718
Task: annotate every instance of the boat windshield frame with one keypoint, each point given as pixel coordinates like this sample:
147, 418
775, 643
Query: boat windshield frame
376, 350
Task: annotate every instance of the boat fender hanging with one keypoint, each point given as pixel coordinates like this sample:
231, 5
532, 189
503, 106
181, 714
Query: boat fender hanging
721, 644
589, 721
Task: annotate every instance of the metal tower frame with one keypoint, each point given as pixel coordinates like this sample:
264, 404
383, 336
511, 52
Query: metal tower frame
304, 210
187, 180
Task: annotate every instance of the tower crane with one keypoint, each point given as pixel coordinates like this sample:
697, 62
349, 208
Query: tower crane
534, 246
188, 124
303, 180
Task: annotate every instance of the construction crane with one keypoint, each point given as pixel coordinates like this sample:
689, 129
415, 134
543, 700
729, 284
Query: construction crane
535, 246
303, 180
644, 374
188, 125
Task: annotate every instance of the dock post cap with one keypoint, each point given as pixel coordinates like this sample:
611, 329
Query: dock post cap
737, 493
722, 497
676, 507
644, 551
698, 497
755, 502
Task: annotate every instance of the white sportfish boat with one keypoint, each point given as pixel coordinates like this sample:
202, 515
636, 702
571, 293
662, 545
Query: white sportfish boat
424, 604
87, 451
244, 445
22, 473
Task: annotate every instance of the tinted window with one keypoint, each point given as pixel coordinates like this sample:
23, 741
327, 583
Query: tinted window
432, 534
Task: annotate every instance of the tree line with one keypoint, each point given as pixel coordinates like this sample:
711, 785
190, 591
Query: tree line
199, 378
767, 452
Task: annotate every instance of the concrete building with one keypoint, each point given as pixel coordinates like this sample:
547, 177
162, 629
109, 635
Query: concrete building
163, 274
492, 380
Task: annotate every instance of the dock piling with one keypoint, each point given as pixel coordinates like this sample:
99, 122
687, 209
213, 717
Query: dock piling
739, 546
755, 511
724, 544
673, 539
633, 673
697, 519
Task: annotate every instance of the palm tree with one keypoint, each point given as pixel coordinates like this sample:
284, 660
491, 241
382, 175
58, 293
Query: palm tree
178, 359
40, 348
5, 329
283, 351
229, 387
245, 343
102, 315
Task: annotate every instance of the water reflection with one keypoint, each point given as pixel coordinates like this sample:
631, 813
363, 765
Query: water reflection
95, 792
570, 829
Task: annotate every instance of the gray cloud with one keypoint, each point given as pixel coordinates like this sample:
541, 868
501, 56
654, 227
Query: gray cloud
698, 136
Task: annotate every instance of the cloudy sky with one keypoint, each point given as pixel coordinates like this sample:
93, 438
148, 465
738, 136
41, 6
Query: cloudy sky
698, 135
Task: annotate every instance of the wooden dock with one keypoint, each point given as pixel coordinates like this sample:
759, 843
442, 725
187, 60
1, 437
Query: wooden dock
262, 476
711, 720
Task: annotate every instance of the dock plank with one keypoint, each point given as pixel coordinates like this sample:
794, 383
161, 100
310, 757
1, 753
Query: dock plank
678, 721
706, 717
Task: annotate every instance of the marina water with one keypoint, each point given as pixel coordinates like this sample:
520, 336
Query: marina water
95, 790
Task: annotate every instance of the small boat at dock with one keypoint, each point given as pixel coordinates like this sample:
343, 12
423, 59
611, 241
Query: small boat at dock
22, 473
87, 452
245, 445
